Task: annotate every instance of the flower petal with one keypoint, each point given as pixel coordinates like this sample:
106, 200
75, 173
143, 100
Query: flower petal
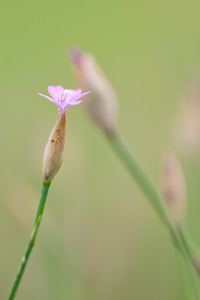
55, 91
49, 98
75, 102
78, 91
78, 96
71, 103
75, 91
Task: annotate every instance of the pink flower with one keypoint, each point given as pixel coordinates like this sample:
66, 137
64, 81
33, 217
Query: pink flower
64, 98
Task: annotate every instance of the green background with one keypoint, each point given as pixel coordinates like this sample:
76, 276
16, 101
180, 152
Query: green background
99, 239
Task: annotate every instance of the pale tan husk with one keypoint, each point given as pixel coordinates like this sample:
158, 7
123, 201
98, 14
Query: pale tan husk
54, 151
101, 104
173, 188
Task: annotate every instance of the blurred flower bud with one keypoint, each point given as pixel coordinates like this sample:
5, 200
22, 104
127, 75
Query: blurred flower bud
173, 188
188, 129
54, 150
101, 104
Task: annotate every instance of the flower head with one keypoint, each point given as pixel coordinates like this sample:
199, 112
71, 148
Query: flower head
64, 98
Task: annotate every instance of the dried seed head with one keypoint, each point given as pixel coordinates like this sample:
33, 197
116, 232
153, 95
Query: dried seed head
54, 150
101, 104
173, 188
188, 125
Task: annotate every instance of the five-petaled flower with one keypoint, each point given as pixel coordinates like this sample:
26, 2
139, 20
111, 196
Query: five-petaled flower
64, 98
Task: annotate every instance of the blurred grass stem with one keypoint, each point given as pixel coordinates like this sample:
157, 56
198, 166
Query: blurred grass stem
31, 242
148, 189
188, 278
191, 247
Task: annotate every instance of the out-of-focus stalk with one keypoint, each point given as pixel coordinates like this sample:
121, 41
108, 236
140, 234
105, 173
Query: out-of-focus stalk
138, 173
146, 186
143, 181
173, 192
192, 247
174, 197
88, 76
189, 283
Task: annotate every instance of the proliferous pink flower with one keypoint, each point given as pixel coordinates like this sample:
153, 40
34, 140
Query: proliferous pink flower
64, 98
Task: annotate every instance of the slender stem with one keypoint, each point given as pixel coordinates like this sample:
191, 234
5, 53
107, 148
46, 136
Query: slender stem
139, 176
184, 269
148, 189
193, 252
31, 242
191, 247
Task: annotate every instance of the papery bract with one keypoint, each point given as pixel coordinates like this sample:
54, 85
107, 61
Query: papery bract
54, 151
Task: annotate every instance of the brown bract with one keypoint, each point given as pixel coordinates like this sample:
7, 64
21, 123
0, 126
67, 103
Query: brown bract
54, 150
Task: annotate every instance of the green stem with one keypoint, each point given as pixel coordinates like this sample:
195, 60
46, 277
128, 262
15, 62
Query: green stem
190, 291
191, 247
142, 179
139, 176
31, 242
148, 189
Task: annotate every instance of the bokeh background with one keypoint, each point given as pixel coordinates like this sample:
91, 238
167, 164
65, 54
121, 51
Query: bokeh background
100, 238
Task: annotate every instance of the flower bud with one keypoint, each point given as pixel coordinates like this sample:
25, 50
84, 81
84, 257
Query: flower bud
101, 104
54, 150
188, 125
173, 188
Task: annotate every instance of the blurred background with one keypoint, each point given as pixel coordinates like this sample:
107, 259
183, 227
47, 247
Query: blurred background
99, 238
